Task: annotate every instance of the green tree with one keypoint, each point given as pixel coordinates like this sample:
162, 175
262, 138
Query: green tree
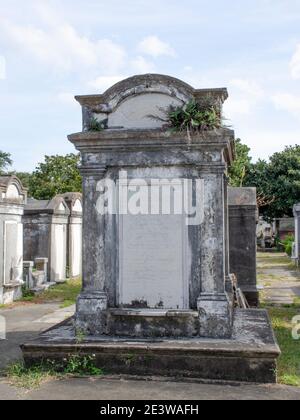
5, 161
241, 165
57, 175
278, 182
24, 178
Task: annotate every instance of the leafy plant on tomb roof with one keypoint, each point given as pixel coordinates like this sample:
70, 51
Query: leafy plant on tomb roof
194, 116
96, 125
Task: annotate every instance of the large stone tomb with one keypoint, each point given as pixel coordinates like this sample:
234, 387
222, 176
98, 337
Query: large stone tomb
156, 276
45, 235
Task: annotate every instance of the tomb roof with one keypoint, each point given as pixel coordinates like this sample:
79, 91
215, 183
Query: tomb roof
55, 206
72, 199
243, 196
12, 190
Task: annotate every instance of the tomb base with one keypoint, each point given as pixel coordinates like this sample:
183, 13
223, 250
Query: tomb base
249, 356
91, 313
10, 293
215, 315
148, 323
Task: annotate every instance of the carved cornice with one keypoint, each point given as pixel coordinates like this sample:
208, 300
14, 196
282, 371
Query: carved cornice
130, 141
93, 170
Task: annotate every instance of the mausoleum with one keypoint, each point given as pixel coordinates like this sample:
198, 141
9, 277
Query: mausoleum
13, 197
157, 296
45, 235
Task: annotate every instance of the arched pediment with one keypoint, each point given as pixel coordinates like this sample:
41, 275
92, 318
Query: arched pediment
130, 103
77, 206
145, 85
12, 190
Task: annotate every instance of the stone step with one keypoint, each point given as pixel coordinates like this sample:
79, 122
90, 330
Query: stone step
250, 356
152, 323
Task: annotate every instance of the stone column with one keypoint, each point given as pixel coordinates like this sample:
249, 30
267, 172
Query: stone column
93, 301
215, 311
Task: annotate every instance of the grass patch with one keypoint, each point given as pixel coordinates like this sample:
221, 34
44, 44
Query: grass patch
265, 277
67, 303
28, 378
282, 263
289, 361
282, 319
65, 293
297, 302
33, 377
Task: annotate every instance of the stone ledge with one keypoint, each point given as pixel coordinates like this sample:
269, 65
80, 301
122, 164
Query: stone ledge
249, 357
153, 313
13, 285
147, 323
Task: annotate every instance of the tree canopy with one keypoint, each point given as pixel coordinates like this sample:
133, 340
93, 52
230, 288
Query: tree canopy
5, 161
241, 165
278, 181
57, 175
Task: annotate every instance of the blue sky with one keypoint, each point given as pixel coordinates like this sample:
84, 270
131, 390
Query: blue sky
51, 50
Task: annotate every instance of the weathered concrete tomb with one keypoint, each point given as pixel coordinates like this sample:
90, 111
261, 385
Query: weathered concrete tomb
45, 235
157, 294
285, 227
13, 197
243, 216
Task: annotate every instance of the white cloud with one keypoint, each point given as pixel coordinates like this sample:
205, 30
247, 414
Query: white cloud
248, 87
264, 143
188, 68
244, 96
234, 107
287, 102
138, 65
295, 64
2, 68
66, 98
102, 83
155, 47
141, 65
63, 48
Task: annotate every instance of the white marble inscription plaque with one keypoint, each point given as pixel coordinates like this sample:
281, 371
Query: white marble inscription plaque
152, 265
